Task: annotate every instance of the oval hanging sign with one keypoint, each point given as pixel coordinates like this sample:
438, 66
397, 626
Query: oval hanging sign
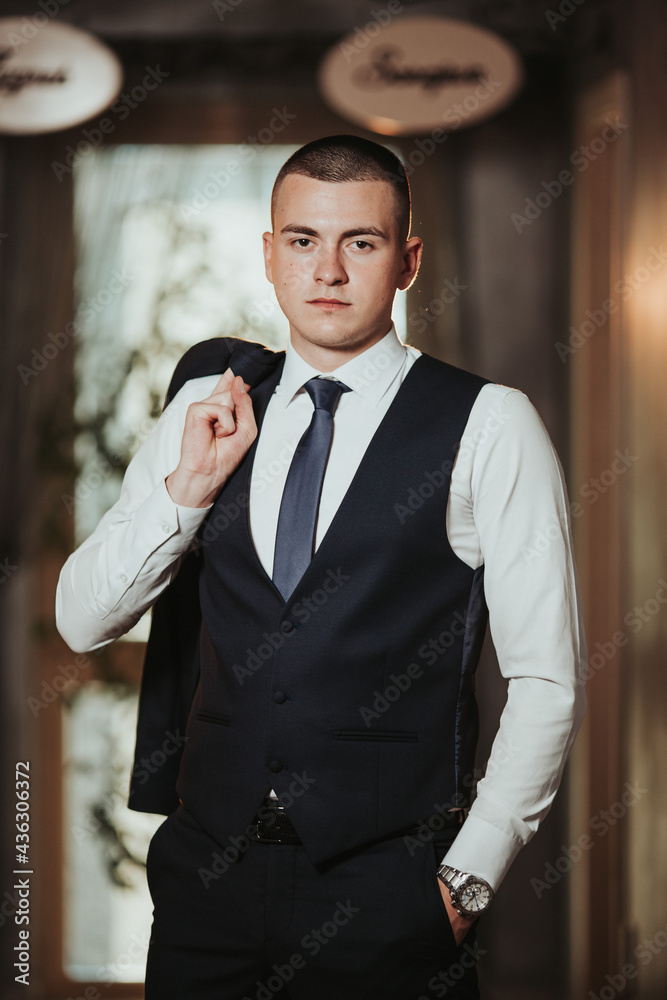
52, 76
411, 75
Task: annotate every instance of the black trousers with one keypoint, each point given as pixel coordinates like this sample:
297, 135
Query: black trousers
371, 925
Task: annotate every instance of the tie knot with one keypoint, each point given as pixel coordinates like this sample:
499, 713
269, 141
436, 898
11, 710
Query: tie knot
325, 392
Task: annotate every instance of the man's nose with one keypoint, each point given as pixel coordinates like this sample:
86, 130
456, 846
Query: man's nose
329, 267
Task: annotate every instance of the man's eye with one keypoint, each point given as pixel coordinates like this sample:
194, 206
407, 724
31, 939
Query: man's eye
362, 244
303, 241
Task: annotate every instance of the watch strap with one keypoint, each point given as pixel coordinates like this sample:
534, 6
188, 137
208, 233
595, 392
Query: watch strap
455, 881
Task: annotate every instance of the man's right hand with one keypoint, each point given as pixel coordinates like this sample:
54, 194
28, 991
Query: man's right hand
218, 432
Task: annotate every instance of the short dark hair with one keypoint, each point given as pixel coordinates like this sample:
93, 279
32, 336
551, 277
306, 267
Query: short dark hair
338, 158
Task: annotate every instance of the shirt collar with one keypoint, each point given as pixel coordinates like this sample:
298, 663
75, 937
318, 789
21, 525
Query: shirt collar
370, 373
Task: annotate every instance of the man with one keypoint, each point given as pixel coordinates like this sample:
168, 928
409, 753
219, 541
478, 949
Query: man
347, 554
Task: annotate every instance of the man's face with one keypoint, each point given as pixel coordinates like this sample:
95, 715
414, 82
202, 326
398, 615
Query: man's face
336, 260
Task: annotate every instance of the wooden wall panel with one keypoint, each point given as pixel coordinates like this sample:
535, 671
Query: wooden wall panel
645, 262
619, 374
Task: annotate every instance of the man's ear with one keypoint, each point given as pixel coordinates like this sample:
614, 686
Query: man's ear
268, 247
412, 255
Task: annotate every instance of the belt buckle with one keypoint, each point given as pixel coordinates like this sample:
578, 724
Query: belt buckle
279, 825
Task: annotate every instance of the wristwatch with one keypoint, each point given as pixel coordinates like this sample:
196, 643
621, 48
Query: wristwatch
471, 895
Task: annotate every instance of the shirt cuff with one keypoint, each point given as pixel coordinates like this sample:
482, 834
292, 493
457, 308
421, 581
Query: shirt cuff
162, 531
484, 850
188, 517
159, 518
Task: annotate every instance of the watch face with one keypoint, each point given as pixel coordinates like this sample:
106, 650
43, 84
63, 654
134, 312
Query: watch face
474, 896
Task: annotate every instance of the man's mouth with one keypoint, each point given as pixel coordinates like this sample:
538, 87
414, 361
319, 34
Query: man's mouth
329, 305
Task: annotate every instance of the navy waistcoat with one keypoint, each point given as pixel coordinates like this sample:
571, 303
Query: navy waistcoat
354, 699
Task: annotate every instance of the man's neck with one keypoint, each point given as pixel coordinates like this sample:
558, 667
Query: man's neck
328, 359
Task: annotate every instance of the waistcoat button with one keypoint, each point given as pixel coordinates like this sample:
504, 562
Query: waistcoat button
287, 627
275, 766
279, 697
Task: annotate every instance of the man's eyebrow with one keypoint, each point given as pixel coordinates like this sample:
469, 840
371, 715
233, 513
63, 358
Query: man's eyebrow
365, 231
306, 230
359, 231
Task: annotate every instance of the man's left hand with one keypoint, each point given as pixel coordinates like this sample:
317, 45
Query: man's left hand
460, 925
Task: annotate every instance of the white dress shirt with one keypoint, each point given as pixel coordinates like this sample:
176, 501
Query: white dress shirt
507, 509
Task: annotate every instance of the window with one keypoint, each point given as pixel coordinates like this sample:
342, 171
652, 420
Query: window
168, 254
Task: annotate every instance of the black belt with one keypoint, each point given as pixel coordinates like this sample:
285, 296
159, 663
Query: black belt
275, 827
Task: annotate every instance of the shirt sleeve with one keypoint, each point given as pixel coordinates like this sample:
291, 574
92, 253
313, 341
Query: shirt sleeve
521, 514
108, 583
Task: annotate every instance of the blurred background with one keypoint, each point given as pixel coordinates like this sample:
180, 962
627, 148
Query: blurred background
545, 268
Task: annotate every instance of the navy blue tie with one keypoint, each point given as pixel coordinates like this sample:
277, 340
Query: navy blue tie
295, 536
